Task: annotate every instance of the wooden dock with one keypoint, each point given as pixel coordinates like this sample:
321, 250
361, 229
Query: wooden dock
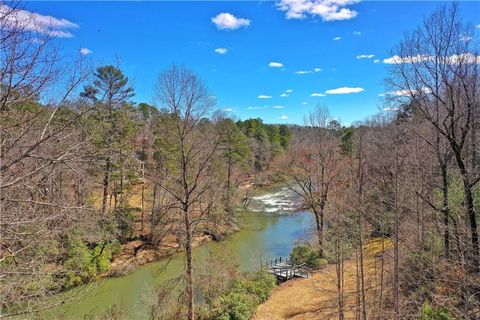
283, 269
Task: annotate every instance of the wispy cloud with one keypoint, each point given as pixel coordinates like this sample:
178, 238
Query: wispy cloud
357, 33
85, 51
263, 96
328, 10
278, 107
376, 61
453, 59
398, 60
465, 38
317, 94
257, 108
228, 109
405, 93
303, 72
286, 93
227, 21
307, 71
304, 103
344, 90
386, 109
274, 64
284, 117
31, 21
337, 38
221, 50
365, 56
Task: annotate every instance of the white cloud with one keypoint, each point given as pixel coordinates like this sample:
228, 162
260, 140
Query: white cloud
284, 95
328, 10
303, 72
257, 108
357, 33
402, 92
307, 71
274, 64
317, 94
337, 38
390, 109
405, 92
227, 21
221, 50
278, 107
263, 96
463, 58
397, 59
376, 61
85, 51
289, 91
35, 22
284, 117
304, 103
344, 90
365, 56
453, 59
228, 109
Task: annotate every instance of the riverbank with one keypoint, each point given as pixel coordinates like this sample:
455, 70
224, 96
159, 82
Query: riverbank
317, 297
140, 251
264, 235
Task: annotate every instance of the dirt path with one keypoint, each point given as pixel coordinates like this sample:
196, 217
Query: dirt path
317, 297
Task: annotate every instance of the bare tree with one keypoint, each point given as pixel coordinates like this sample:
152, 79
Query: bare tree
436, 68
310, 167
189, 148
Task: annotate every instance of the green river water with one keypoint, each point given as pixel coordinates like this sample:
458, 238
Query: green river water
269, 231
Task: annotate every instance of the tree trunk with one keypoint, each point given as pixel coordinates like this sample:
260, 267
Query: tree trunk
143, 195
152, 217
188, 251
446, 211
319, 225
469, 206
339, 271
106, 180
396, 273
362, 274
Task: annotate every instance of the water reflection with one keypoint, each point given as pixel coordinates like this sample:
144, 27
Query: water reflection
270, 231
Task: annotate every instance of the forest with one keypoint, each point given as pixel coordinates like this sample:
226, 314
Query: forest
94, 184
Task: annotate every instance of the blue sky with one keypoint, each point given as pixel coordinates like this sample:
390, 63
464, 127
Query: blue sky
149, 36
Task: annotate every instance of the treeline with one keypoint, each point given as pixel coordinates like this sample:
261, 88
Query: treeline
75, 149
408, 176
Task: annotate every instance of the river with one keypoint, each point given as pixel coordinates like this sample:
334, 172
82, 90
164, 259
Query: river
270, 230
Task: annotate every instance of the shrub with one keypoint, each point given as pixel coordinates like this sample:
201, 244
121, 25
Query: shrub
260, 285
241, 301
84, 264
428, 313
305, 254
236, 306
124, 220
